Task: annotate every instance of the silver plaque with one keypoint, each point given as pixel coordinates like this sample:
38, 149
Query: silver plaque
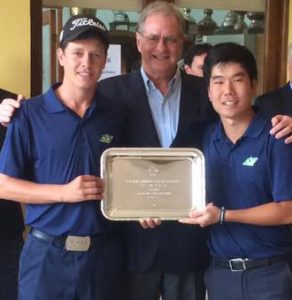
152, 182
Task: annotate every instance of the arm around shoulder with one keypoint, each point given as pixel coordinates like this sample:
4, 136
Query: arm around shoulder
7, 109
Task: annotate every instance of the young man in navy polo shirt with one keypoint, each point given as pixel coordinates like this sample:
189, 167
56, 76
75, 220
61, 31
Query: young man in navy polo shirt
50, 161
249, 189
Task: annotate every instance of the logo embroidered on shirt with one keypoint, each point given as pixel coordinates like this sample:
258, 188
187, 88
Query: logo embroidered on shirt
106, 138
250, 161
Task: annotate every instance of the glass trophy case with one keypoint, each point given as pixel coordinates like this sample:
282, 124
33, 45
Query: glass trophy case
256, 24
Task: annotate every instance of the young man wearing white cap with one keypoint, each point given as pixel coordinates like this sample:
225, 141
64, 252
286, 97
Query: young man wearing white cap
52, 151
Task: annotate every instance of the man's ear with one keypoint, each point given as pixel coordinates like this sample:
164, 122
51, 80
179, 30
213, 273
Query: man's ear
60, 55
254, 86
138, 41
187, 69
209, 94
254, 83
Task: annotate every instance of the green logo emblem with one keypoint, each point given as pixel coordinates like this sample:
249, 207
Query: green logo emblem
250, 161
106, 138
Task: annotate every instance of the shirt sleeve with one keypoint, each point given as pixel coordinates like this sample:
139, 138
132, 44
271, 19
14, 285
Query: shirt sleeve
280, 170
15, 156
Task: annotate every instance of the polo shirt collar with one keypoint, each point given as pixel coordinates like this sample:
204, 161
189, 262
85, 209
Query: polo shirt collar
254, 130
54, 105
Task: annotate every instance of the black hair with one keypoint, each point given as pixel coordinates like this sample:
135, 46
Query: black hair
90, 34
195, 50
224, 53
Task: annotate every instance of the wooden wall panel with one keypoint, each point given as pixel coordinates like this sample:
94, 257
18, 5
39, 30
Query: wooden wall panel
276, 40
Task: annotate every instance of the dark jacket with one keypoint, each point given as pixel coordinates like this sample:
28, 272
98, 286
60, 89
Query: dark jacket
276, 102
177, 247
11, 219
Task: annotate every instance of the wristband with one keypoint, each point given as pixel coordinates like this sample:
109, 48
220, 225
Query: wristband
222, 215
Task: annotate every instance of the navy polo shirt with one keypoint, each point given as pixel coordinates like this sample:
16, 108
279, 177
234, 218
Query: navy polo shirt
254, 171
49, 143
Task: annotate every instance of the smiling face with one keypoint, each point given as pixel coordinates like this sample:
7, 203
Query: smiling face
83, 62
231, 91
160, 44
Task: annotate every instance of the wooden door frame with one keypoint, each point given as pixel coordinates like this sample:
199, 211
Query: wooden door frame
49, 19
276, 44
35, 47
275, 60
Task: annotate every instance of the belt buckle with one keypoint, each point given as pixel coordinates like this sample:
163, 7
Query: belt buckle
235, 261
77, 243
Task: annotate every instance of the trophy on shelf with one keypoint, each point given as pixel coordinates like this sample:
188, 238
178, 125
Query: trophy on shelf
207, 25
120, 16
257, 24
228, 24
74, 11
191, 24
121, 21
240, 26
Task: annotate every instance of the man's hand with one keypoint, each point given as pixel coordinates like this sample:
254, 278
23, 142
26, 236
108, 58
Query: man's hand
282, 127
82, 188
150, 223
203, 217
7, 109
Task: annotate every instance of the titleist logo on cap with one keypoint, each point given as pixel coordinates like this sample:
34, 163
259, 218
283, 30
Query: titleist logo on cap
86, 22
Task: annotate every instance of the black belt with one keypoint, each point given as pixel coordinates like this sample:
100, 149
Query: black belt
242, 264
64, 242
